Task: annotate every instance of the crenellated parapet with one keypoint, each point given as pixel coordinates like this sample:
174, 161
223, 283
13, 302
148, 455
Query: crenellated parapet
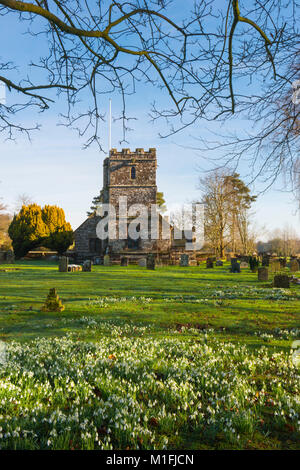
126, 154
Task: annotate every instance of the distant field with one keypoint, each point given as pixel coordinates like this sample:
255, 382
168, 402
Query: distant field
175, 358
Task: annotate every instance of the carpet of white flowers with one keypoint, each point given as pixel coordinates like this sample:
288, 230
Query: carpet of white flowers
131, 391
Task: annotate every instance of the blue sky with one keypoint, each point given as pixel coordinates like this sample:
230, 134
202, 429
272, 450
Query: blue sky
53, 168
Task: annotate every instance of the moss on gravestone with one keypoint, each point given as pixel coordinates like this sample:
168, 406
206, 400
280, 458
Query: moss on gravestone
53, 302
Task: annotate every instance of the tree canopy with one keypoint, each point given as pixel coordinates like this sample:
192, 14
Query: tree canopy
5, 219
34, 226
227, 200
214, 60
160, 201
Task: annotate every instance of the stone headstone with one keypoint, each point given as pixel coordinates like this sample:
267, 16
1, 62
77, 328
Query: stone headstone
106, 260
274, 265
282, 262
184, 260
10, 257
74, 267
219, 262
282, 280
235, 267
265, 260
87, 266
150, 261
253, 263
209, 263
294, 266
142, 262
63, 264
124, 261
263, 273
244, 265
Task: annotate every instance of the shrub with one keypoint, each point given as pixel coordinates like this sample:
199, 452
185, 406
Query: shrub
34, 226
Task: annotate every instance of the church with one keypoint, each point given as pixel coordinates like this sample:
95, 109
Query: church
131, 175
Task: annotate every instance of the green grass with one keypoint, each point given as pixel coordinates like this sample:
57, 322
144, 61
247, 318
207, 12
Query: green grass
163, 324
23, 291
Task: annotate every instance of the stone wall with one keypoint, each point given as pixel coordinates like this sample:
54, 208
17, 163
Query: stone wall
83, 234
118, 181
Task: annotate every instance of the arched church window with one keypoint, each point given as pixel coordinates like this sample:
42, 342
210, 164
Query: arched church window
133, 173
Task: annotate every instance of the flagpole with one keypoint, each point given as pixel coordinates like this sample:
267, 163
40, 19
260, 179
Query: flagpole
109, 130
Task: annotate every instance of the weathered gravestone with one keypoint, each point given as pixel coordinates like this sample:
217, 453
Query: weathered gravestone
263, 273
244, 265
235, 266
106, 260
87, 266
150, 261
265, 260
142, 262
294, 266
281, 280
10, 257
63, 264
274, 265
124, 261
53, 302
193, 262
219, 262
74, 267
282, 262
253, 263
209, 263
184, 260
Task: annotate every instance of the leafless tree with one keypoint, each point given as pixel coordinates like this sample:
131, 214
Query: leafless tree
215, 60
284, 241
23, 200
5, 220
227, 201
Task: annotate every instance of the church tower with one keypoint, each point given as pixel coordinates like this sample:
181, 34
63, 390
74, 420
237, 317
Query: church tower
130, 174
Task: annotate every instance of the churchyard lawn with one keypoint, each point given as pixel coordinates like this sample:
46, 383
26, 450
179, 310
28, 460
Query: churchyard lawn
176, 358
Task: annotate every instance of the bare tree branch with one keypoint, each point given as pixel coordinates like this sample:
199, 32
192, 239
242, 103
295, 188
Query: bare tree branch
215, 61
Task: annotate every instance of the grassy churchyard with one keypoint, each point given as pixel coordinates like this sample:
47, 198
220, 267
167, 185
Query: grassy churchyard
176, 358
